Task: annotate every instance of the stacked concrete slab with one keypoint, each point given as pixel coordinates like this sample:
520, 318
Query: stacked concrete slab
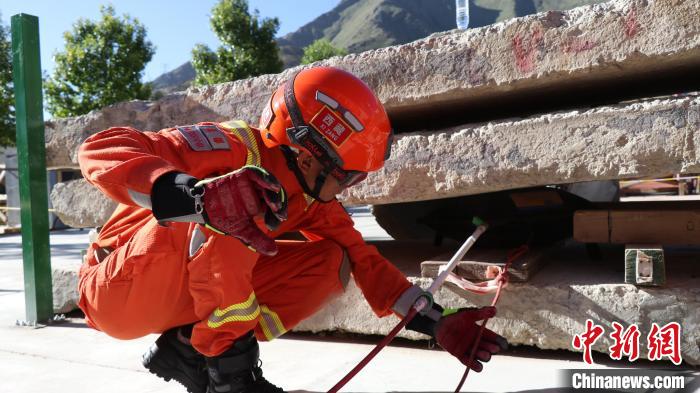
526, 57
546, 312
551, 309
644, 139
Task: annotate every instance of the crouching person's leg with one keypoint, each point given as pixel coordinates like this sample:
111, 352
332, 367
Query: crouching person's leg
296, 283
220, 270
141, 287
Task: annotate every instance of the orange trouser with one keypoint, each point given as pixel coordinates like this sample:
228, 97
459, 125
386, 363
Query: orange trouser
150, 284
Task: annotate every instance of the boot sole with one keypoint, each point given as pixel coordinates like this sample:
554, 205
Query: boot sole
158, 364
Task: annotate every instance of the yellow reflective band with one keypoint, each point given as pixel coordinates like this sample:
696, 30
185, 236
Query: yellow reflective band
248, 310
241, 131
266, 330
309, 201
271, 324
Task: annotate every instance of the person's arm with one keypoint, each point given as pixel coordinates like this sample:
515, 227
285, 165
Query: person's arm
387, 290
163, 172
381, 283
124, 163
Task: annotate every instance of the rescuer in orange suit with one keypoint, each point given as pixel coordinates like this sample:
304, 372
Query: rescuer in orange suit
190, 250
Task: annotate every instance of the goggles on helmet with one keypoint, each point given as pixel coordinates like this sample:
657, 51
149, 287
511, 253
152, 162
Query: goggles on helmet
315, 144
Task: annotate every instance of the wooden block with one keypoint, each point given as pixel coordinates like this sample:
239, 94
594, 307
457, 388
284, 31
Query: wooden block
644, 265
476, 263
668, 227
591, 226
655, 227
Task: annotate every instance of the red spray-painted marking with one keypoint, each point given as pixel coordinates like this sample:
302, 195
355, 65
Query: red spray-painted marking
631, 25
526, 50
577, 45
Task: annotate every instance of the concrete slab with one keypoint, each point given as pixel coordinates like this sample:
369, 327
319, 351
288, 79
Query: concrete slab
550, 309
452, 73
645, 139
80, 205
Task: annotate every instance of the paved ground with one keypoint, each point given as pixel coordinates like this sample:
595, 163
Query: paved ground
69, 357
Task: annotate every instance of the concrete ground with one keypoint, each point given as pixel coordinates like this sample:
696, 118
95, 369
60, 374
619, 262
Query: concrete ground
69, 357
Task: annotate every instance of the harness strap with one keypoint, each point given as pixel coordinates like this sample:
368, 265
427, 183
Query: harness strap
299, 124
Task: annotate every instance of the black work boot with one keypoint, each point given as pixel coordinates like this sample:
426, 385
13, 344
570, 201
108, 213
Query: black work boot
173, 357
238, 369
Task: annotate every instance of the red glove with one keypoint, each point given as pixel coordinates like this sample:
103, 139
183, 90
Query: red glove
230, 202
457, 332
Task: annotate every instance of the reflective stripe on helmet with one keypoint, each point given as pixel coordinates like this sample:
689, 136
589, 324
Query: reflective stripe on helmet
333, 104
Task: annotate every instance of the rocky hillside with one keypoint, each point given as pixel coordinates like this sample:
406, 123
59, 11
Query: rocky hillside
359, 25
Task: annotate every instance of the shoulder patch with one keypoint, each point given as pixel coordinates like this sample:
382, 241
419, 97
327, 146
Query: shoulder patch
215, 136
195, 138
204, 138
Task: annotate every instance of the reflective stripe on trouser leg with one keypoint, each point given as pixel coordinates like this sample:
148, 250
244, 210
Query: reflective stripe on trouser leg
270, 323
248, 310
297, 282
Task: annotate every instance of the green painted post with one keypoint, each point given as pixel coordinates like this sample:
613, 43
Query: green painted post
31, 154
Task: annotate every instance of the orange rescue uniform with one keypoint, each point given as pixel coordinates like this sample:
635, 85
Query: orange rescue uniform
140, 277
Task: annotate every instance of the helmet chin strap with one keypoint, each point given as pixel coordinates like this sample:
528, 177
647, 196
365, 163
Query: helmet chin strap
299, 124
290, 156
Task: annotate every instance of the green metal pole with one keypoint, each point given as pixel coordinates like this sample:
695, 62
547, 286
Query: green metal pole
31, 154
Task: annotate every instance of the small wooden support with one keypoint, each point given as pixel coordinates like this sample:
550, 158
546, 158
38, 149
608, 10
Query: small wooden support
476, 264
644, 265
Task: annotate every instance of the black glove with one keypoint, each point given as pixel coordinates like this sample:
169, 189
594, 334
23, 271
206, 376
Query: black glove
226, 204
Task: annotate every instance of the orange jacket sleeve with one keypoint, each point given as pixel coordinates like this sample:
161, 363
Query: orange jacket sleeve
123, 162
380, 281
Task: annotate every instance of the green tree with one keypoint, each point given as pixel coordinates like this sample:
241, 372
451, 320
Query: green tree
101, 65
7, 99
248, 45
319, 50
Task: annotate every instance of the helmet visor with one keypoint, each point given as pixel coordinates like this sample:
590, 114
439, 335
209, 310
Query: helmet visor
347, 178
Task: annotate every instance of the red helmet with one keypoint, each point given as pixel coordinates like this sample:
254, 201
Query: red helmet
334, 116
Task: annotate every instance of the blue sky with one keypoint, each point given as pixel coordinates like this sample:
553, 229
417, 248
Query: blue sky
174, 27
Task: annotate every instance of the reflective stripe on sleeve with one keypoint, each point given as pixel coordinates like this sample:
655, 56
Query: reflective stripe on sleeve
241, 131
139, 198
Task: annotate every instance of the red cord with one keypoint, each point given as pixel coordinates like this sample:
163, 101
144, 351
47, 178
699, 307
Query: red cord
412, 313
517, 253
385, 341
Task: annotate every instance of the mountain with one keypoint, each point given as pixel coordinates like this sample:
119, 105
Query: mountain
360, 25
175, 80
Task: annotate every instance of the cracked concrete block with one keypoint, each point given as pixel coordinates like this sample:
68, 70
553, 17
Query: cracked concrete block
644, 139
80, 205
550, 309
525, 57
65, 287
